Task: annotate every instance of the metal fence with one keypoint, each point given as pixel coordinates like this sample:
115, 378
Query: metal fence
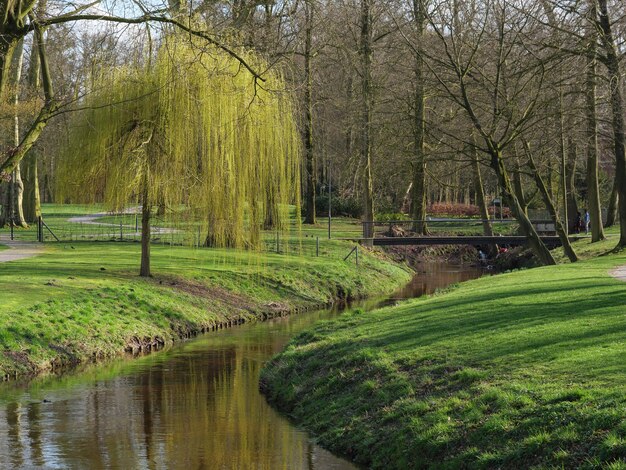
59, 229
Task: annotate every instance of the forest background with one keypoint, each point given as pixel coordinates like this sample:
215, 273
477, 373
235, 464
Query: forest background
404, 106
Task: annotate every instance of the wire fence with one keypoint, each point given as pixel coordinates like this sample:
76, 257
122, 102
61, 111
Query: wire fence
108, 227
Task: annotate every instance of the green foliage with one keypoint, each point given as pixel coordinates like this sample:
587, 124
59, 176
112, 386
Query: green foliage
193, 129
347, 206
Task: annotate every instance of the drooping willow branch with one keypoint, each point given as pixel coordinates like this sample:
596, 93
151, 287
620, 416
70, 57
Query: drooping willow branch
11, 158
188, 131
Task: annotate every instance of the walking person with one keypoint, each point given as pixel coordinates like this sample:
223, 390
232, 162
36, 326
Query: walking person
578, 223
587, 221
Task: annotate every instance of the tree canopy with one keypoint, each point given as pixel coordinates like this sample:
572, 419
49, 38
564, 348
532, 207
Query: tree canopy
192, 128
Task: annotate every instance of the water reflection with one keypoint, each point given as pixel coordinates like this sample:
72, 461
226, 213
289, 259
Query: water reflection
195, 406
432, 276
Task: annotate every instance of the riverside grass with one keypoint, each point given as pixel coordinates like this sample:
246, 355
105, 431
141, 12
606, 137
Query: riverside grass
521, 370
82, 301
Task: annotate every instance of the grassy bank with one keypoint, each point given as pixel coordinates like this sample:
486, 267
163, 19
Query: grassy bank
82, 301
523, 369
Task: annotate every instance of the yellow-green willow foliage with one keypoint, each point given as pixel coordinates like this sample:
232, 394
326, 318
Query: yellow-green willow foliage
194, 129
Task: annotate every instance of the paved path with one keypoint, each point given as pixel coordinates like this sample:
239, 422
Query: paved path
619, 273
18, 249
21, 249
92, 219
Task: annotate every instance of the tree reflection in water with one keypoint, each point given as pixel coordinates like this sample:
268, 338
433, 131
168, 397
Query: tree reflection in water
194, 406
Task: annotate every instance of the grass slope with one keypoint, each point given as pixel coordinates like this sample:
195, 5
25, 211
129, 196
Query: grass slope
83, 301
524, 369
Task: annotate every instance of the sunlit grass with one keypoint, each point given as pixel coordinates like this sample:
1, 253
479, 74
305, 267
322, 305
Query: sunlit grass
84, 299
518, 370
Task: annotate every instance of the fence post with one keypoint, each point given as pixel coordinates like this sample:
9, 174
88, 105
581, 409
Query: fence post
277, 242
39, 230
11, 229
356, 254
317, 246
121, 232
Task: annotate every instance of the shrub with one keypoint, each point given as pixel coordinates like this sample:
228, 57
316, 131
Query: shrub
347, 206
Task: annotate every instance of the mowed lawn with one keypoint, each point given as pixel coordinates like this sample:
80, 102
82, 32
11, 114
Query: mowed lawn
524, 369
84, 300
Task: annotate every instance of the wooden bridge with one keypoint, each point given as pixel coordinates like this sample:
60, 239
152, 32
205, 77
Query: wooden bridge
511, 240
545, 228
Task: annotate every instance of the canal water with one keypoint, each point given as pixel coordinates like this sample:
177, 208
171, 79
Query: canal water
194, 406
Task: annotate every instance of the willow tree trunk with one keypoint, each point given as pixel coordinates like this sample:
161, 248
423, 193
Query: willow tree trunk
418, 198
617, 110
365, 51
309, 155
144, 270
593, 190
547, 199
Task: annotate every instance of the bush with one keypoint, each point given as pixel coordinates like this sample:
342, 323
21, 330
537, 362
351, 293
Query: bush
342, 206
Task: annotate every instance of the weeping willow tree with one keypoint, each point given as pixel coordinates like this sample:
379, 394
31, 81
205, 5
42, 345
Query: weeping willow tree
194, 128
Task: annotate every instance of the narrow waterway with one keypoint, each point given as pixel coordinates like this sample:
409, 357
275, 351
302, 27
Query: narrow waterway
195, 406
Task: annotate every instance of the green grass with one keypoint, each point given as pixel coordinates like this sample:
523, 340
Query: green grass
83, 300
520, 370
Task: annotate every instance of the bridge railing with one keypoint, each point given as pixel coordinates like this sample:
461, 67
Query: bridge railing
449, 226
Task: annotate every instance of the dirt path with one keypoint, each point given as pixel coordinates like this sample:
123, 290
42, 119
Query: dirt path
18, 249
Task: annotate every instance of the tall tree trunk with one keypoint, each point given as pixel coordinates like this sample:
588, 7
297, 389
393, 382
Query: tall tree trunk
32, 200
418, 198
518, 188
526, 227
13, 209
13, 157
593, 190
480, 195
611, 211
617, 109
144, 270
572, 205
365, 51
311, 167
8, 45
563, 154
547, 199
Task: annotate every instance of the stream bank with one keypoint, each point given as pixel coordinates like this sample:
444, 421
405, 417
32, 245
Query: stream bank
520, 370
83, 302
195, 405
